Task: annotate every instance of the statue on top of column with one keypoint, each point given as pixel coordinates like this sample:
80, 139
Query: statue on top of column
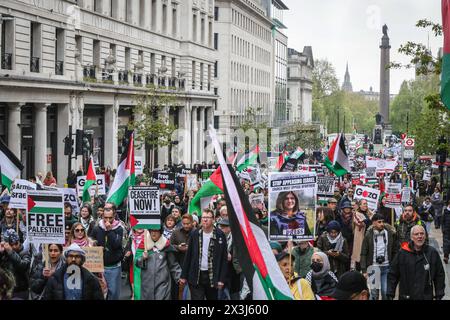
385, 30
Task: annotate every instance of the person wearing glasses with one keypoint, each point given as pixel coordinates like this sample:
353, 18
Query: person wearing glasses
79, 236
205, 263
72, 281
108, 234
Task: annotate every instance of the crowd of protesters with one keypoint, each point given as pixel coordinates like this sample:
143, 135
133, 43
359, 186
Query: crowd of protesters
192, 256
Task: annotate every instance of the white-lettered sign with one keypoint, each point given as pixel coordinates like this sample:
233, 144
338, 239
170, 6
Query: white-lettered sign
70, 195
139, 164
100, 183
19, 193
371, 195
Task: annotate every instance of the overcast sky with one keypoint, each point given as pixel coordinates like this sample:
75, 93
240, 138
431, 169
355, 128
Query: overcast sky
351, 30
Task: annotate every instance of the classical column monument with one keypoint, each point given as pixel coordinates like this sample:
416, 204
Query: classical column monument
385, 80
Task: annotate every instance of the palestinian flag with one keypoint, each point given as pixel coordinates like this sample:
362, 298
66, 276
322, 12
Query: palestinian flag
255, 256
125, 175
45, 202
211, 188
91, 178
337, 159
249, 159
10, 166
291, 163
281, 159
445, 72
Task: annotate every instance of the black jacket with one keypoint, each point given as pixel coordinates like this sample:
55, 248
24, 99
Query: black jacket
18, 264
416, 283
191, 267
111, 241
368, 247
37, 279
91, 289
445, 220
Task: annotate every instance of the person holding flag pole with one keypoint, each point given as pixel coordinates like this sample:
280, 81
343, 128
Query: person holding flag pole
91, 179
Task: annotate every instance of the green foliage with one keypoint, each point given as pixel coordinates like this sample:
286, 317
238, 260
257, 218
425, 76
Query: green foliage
151, 118
305, 136
329, 100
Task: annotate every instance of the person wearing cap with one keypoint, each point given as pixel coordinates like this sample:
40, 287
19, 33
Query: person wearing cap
417, 269
332, 204
300, 288
378, 249
9, 222
335, 246
321, 279
61, 286
158, 267
302, 254
345, 219
16, 260
352, 285
4, 202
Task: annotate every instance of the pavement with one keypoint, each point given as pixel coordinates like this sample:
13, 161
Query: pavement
436, 241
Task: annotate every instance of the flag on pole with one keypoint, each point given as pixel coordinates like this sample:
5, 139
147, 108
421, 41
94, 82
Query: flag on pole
10, 166
445, 72
337, 159
211, 188
255, 256
125, 175
292, 161
281, 159
249, 159
91, 178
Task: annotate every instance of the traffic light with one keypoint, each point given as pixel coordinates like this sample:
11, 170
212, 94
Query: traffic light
86, 144
441, 153
68, 146
79, 142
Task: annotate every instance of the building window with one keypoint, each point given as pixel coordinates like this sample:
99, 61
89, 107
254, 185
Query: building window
202, 25
288, 94
194, 27
7, 42
164, 19
142, 13
152, 63
209, 77
154, 14
96, 53
216, 69
35, 46
193, 75
174, 22
174, 68
216, 13
210, 33
59, 51
201, 75
127, 59
216, 41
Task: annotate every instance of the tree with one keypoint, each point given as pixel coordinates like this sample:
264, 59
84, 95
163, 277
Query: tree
305, 136
252, 120
151, 118
325, 83
428, 117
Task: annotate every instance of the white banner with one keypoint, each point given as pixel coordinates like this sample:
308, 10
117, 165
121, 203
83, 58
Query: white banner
393, 195
144, 207
100, 183
70, 195
139, 164
381, 165
406, 195
427, 175
370, 194
19, 193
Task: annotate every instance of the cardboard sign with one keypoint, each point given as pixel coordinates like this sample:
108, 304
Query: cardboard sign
393, 195
371, 172
371, 195
94, 259
144, 207
325, 188
165, 180
70, 195
45, 217
19, 193
139, 164
100, 183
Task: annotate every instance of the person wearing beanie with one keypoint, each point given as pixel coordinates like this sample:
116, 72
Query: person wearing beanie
16, 260
378, 249
335, 246
276, 247
60, 285
321, 279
